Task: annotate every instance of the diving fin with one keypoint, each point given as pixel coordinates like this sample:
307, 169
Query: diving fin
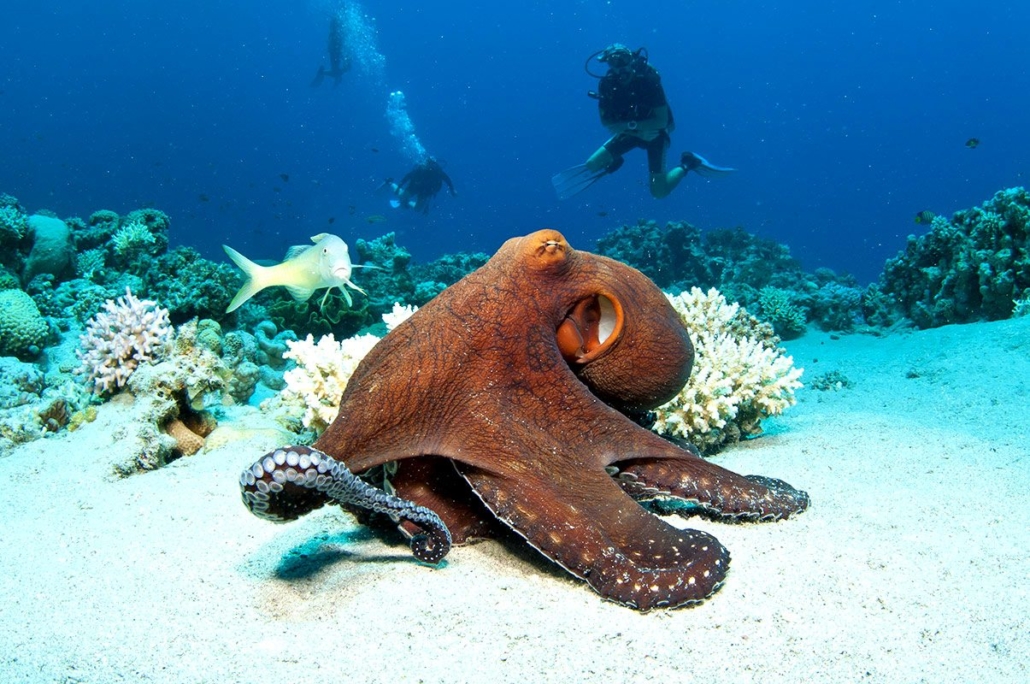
573, 181
691, 161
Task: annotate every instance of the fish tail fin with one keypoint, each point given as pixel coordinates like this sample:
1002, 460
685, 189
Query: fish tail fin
254, 274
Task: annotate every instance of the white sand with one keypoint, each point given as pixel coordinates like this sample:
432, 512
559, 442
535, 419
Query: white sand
911, 566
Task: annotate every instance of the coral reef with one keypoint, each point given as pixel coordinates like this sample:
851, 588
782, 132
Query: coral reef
837, 303
13, 222
680, 256
313, 317
431, 279
171, 403
1021, 307
740, 375
778, 308
117, 340
321, 374
20, 383
970, 268
23, 330
34, 404
52, 251
313, 387
388, 280
89, 263
199, 289
757, 273
132, 237
98, 231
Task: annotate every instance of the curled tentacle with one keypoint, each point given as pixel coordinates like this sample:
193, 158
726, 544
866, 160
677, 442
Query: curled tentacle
293, 481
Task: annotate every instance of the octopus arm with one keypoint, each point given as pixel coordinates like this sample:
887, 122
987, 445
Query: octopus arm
718, 492
598, 533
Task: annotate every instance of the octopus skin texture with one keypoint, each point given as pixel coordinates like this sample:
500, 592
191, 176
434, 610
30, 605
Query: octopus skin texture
506, 398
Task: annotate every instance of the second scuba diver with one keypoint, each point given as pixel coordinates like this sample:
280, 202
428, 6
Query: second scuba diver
633, 107
419, 186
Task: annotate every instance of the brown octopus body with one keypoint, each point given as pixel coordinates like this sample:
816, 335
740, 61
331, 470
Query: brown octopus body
510, 389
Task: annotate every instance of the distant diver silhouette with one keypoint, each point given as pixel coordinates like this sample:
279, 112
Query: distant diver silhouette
419, 186
339, 61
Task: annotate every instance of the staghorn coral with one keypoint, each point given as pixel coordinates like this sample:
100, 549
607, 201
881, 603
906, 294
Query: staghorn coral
118, 339
740, 376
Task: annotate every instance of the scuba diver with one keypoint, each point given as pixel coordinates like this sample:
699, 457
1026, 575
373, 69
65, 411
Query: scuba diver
419, 186
633, 107
339, 60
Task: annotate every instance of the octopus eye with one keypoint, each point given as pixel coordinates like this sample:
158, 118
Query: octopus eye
590, 328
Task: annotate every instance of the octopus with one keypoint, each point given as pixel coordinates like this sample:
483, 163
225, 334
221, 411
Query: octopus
513, 399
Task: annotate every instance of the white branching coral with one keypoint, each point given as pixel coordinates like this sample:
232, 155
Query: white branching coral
323, 369
398, 315
740, 374
126, 333
321, 374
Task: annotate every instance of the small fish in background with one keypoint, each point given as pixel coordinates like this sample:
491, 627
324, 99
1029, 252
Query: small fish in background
973, 143
285, 177
375, 218
305, 269
925, 216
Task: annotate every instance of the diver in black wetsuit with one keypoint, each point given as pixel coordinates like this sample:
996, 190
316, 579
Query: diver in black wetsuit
633, 107
420, 185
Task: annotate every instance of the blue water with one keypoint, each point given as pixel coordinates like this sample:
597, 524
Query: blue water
843, 121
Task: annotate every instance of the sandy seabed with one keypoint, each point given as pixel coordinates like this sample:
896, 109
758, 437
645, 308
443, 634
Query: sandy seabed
910, 566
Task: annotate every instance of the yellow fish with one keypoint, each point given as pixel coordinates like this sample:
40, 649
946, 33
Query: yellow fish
305, 269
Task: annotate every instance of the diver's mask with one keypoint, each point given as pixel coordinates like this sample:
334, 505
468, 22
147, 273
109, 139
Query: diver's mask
616, 56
